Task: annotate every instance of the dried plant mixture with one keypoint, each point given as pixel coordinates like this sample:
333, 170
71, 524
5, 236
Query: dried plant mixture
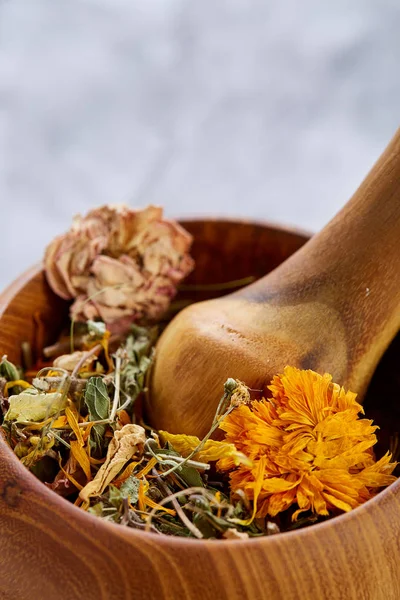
75, 420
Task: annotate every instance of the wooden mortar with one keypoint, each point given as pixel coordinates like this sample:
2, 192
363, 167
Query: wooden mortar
51, 549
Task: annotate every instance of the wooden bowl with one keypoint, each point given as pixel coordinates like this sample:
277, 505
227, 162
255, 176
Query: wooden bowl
51, 549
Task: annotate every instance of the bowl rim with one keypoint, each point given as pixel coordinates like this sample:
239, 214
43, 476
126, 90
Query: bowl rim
77, 514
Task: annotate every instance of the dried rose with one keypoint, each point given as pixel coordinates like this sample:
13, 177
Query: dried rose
119, 264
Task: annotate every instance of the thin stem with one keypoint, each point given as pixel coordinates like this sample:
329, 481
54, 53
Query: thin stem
198, 448
173, 499
117, 383
99, 422
179, 459
59, 438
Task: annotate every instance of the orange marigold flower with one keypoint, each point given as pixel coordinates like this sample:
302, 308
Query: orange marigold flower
308, 448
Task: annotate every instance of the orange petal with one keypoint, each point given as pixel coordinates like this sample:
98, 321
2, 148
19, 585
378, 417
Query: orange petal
81, 457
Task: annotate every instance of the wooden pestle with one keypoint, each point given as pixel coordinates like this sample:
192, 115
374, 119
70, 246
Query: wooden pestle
334, 306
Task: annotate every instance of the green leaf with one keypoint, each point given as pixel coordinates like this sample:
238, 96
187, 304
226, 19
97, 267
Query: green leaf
174, 528
217, 521
97, 509
97, 399
115, 496
97, 441
130, 489
204, 525
8, 370
141, 339
190, 476
139, 348
167, 451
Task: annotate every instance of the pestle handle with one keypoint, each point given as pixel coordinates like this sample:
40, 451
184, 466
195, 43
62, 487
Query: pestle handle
333, 306
353, 267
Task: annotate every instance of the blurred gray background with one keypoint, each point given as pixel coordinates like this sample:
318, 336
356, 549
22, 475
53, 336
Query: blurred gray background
249, 108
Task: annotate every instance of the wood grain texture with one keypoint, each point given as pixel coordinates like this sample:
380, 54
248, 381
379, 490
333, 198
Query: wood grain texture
28, 296
51, 549
334, 307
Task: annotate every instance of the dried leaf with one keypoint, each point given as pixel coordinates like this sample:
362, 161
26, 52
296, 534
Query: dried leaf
203, 524
130, 489
211, 450
34, 406
38, 452
114, 496
96, 509
127, 472
138, 347
125, 443
78, 452
140, 341
190, 476
73, 423
69, 361
97, 399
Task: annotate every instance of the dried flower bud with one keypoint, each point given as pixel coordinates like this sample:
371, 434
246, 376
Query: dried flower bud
230, 385
241, 394
119, 264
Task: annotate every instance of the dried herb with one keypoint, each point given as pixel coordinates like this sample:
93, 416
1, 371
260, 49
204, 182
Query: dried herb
138, 357
125, 443
75, 429
97, 399
77, 423
97, 402
130, 489
32, 405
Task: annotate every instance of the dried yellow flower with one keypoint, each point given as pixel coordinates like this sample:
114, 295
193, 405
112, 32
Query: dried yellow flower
226, 453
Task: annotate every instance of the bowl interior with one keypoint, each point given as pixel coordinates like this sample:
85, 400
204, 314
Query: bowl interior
82, 556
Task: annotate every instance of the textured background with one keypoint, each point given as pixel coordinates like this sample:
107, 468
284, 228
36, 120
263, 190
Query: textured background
238, 107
